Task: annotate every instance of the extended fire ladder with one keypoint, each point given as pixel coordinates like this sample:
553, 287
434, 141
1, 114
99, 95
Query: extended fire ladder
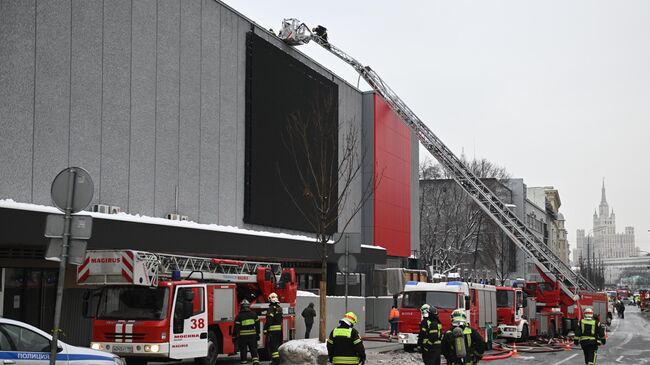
294, 32
130, 267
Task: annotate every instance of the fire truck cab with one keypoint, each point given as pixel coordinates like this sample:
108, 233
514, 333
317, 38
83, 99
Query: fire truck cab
159, 307
511, 306
478, 301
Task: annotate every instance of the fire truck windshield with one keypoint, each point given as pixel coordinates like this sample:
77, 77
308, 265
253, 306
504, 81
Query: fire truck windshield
438, 299
505, 298
133, 303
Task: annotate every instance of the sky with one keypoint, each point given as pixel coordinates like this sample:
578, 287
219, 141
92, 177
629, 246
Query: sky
555, 91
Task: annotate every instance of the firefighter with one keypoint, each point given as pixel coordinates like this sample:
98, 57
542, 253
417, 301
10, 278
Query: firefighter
246, 332
462, 345
430, 336
621, 309
344, 346
589, 334
273, 328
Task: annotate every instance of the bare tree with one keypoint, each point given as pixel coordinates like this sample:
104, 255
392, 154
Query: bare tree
497, 252
452, 227
328, 167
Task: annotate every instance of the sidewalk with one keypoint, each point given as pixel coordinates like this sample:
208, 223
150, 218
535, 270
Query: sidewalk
380, 345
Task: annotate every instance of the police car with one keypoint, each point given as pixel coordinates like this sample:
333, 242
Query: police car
21, 343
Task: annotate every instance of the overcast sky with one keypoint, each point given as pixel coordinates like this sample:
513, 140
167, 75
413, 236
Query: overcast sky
557, 92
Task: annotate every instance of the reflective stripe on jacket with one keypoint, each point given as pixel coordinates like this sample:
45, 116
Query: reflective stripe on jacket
273, 320
246, 324
344, 346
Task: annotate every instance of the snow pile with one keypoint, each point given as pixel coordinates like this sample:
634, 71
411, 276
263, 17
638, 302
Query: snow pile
394, 357
304, 352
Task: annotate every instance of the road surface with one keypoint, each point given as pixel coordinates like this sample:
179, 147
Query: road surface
628, 343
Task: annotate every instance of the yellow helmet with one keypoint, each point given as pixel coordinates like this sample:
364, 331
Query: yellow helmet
273, 298
350, 318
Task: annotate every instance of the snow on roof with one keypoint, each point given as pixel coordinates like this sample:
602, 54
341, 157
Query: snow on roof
125, 217
373, 247
303, 293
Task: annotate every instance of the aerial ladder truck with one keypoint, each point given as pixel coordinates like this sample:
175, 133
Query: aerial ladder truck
160, 307
571, 286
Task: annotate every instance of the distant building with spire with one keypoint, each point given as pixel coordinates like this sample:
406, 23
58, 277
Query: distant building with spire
604, 242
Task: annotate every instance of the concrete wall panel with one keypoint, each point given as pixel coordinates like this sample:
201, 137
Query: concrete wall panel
149, 96
52, 95
210, 109
86, 88
190, 109
350, 121
116, 116
228, 119
167, 106
17, 30
143, 108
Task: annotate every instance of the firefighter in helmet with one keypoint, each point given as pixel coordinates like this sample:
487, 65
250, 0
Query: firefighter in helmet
344, 346
273, 328
462, 345
430, 336
589, 334
246, 332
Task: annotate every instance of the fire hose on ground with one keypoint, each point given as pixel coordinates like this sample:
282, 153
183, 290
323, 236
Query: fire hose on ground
504, 350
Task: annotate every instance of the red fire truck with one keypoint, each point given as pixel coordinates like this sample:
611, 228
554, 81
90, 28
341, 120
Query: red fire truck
542, 309
478, 300
153, 307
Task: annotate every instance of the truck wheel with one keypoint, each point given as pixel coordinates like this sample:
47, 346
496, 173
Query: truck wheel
213, 351
524, 334
409, 348
135, 361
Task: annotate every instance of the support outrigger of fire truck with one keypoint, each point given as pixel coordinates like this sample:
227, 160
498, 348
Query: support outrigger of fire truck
152, 307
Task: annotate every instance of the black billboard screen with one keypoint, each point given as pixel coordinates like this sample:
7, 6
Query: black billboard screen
281, 92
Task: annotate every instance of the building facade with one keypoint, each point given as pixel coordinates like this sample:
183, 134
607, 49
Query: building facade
602, 241
616, 268
538, 207
177, 109
555, 235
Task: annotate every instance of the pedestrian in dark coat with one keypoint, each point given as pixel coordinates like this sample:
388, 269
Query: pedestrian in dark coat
308, 314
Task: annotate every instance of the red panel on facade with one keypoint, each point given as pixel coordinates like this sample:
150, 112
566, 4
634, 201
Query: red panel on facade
392, 196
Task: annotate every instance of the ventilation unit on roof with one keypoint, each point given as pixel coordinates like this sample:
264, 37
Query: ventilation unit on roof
174, 217
101, 208
115, 209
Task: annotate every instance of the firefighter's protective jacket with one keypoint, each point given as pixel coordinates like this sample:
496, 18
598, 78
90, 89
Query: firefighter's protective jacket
247, 324
430, 334
344, 346
473, 342
590, 332
273, 324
